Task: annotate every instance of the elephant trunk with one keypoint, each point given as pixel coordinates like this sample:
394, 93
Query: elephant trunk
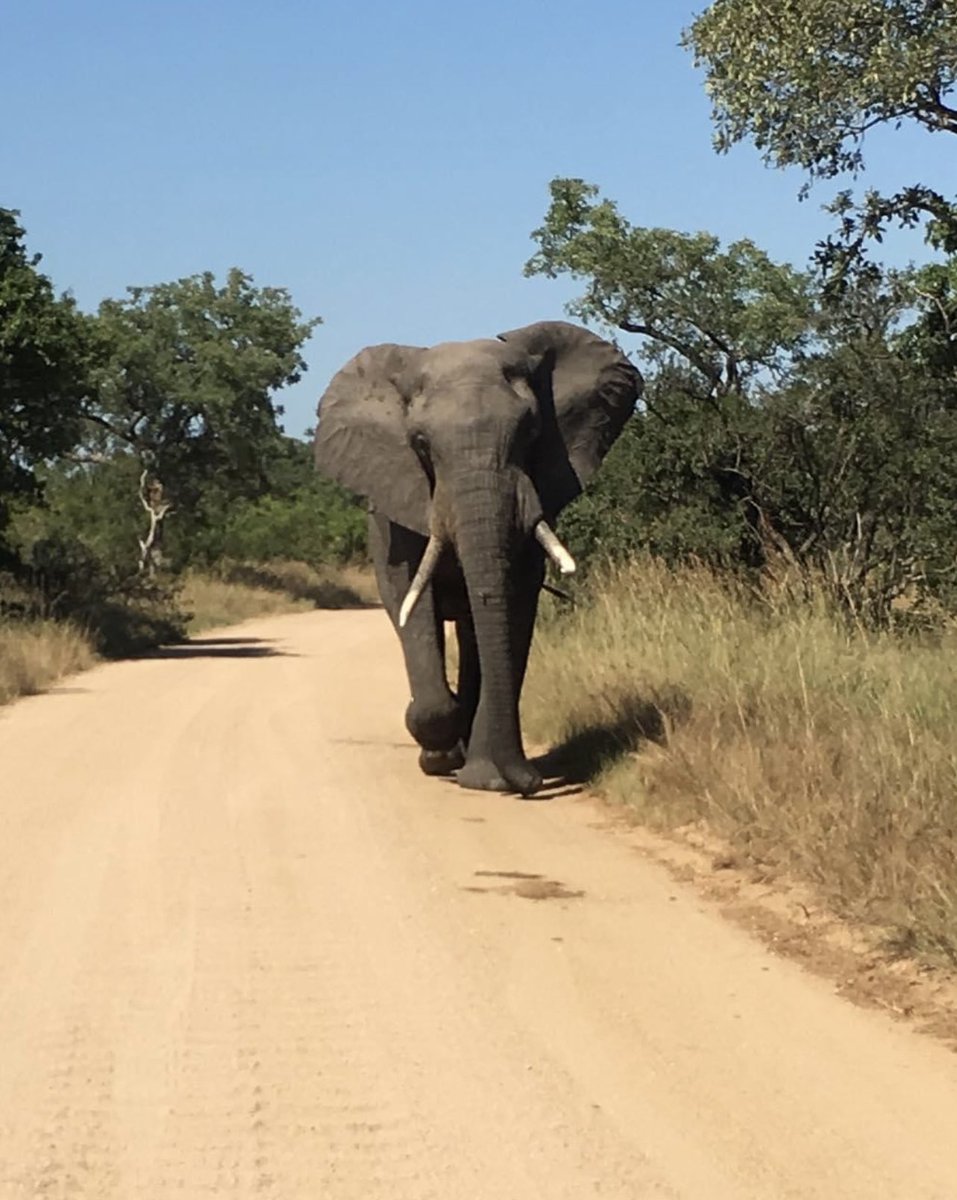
490, 523
528, 517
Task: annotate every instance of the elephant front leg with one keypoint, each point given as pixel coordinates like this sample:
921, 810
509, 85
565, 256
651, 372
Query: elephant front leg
481, 770
433, 717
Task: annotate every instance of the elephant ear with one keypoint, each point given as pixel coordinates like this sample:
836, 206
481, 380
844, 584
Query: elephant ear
361, 438
587, 390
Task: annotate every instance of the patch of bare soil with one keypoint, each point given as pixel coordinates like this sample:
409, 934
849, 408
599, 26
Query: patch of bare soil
792, 921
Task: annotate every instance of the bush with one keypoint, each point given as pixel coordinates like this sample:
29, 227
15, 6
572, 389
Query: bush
315, 525
63, 579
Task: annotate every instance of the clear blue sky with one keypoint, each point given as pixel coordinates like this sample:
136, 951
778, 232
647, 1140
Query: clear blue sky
385, 162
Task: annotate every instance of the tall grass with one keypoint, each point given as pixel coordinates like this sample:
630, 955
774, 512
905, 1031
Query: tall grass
210, 602
328, 586
34, 654
240, 591
807, 743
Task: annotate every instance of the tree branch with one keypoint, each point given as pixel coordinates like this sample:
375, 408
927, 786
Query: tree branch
88, 458
934, 106
944, 314
104, 424
707, 369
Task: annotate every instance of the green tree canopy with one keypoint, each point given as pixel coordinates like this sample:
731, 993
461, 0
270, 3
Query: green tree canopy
43, 348
184, 378
806, 80
772, 425
718, 326
725, 315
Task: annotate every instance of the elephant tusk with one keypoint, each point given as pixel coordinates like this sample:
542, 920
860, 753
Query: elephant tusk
553, 548
427, 566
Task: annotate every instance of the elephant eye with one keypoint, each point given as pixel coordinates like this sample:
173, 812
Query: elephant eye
420, 445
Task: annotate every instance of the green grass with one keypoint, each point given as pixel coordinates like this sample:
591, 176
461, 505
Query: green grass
806, 743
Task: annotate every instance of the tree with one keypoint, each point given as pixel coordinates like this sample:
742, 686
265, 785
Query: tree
184, 379
301, 517
808, 79
932, 340
861, 474
717, 327
727, 317
773, 426
43, 347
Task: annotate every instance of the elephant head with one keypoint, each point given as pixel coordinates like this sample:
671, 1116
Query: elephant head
479, 445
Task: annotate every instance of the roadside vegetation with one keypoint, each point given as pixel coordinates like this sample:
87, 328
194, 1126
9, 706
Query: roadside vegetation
35, 654
804, 740
240, 591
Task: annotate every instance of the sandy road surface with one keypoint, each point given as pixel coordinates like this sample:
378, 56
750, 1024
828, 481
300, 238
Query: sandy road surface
246, 950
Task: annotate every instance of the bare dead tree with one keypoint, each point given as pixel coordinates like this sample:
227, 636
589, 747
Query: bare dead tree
157, 508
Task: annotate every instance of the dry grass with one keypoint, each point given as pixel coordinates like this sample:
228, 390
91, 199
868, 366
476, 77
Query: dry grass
241, 591
212, 602
806, 744
34, 654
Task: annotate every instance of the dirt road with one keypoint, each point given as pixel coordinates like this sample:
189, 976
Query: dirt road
246, 950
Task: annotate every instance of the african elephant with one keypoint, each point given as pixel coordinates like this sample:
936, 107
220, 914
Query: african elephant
467, 452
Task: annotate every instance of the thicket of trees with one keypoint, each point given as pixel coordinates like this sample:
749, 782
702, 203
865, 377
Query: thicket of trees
145, 438
804, 415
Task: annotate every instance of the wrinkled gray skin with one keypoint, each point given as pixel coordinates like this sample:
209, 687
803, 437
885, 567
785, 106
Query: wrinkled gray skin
474, 442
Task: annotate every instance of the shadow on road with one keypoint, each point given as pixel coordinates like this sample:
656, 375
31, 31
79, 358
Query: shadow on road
230, 641
219, 648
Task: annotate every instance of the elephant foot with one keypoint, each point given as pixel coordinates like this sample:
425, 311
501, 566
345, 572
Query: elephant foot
437, 726
484, 776
441, 762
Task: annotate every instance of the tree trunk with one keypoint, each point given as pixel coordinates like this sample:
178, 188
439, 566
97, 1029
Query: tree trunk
157, 509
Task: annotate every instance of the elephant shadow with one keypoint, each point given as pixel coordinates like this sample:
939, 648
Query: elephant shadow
593, 747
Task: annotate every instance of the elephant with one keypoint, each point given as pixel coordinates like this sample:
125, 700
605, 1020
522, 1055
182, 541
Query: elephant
467, 452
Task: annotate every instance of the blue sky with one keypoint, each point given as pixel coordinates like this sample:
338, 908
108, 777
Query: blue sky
385, 162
